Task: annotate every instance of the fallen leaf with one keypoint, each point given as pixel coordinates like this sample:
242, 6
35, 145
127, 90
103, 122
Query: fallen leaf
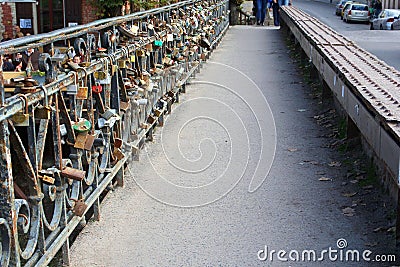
324, 179
335, 164
349, 194
292, 149
320, 173
354, 181
348, 211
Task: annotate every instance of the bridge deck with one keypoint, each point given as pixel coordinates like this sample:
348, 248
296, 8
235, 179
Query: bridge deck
148, 223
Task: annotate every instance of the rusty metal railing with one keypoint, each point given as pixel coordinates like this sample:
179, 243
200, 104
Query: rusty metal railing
67, 129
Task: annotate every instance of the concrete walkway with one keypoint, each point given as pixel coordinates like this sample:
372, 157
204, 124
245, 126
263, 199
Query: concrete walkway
198, 197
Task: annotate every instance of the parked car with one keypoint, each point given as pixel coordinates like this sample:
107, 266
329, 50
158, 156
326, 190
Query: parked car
339, 7
356, 12
346, 5
385, 19
396, 24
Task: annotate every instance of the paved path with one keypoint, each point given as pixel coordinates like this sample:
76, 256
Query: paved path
207, 156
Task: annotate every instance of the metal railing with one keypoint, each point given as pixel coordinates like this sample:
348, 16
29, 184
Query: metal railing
68, 129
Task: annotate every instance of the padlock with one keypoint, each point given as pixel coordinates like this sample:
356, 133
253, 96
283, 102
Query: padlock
118, 154
89, 142
158, 43
47, 179
144, 125
118, 142
97, 88
149, 47
122, 63
140, 53
99, 75
171, 93
22, 118
43, 112
113, 70
124, 105
79, 208
150, 119
82, 93
82, 126
80, 140
74, 174
109, 113
157, 112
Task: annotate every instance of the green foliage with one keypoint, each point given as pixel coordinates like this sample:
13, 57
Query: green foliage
108, 8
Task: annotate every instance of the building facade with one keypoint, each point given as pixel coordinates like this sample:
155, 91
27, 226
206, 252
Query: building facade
44, 15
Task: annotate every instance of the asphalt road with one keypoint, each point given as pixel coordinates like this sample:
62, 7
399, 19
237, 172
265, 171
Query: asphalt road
384, 44
199, 197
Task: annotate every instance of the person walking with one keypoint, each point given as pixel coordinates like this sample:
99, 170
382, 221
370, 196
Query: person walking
275, 12
261, 10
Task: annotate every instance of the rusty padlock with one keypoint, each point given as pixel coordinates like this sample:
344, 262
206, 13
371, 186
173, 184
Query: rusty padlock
89, 142
80, 140
79, 207
171, 93
118, 154
22, 118
117, 142
157, 112
97, 88
74, 174
82, 93
43, 112
150, 119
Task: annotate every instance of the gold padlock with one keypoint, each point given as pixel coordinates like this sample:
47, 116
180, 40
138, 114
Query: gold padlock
79, 207
82, 93
47, 179
157, 112
83, 90
80, 140
113, 69
122, 63
99, 75
20, 118
43, 112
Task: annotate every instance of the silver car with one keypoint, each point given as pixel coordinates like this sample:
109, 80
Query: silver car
356, 12
339, 7
385, 19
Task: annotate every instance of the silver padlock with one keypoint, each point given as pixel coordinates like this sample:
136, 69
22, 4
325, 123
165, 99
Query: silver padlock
43, 112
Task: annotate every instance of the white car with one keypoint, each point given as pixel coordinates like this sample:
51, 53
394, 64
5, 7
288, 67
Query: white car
385, 19
396, 24
356, 12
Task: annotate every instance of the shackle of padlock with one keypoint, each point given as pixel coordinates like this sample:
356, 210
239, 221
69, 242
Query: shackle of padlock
45, 98
25, 99
22, 118
72, 89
